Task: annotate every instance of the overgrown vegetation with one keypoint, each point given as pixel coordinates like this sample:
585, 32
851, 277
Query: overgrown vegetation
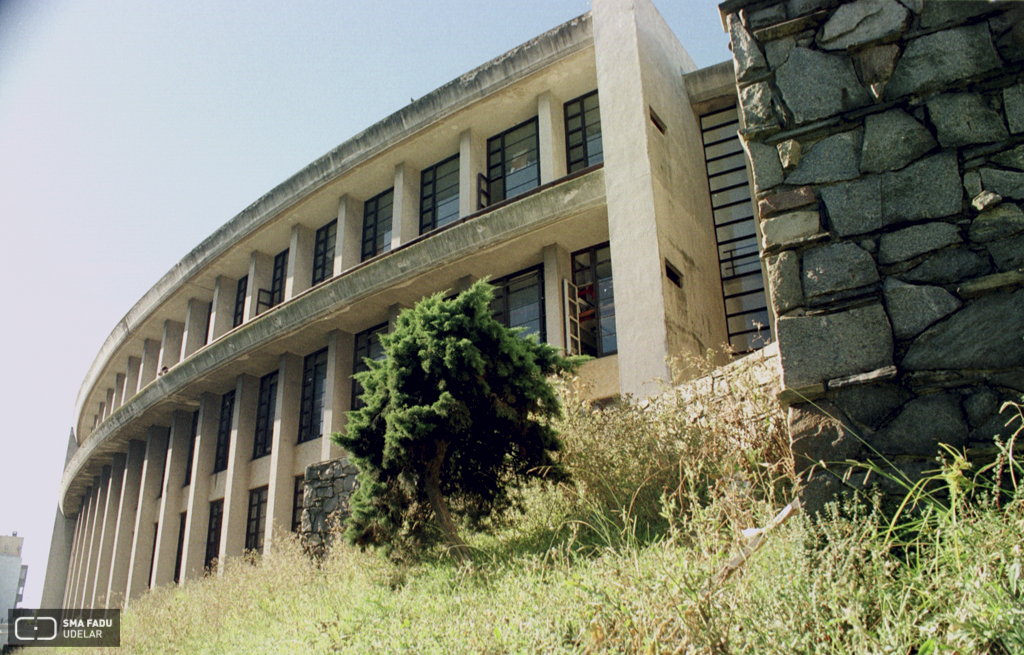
624, 560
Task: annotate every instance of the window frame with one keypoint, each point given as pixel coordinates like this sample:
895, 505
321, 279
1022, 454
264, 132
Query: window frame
501, 147
599, 350
361, 352
191, 449
501, 294
372, 222
241, 291
214, 527
224, 425
573, 165
324, 244
298, 502
308, 401
429, 192
266, 408
181, 546
278, 278
256, 521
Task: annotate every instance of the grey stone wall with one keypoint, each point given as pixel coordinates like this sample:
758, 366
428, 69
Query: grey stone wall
329, 485
886, 139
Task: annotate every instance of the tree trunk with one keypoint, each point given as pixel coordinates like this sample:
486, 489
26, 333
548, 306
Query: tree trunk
456, 545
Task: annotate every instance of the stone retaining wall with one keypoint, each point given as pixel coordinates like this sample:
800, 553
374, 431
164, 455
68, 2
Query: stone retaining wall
886, 140
329, 485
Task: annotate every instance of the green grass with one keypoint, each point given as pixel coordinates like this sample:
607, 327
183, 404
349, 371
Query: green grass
623, 561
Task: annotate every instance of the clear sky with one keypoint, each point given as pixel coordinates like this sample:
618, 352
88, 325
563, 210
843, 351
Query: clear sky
130, 131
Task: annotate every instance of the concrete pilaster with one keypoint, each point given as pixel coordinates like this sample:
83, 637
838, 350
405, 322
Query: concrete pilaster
557, 267
146, 514
337, 389
261, 272
551, 137
69, 577
62, 542
168, 518
348, 247
148, 367
124, 535
222, 315
196, 328
119, 390
131, 378
300, 261
472, 164
405, 217
282, 453
236, 486
108, 407
101, 483
72, 592
197, 522
106, 550
170, 345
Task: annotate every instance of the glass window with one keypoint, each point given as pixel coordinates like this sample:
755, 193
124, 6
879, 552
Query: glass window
311, 409
377, 224
583, 145
257, 522
191, 448
513, 165
265, 408
213, 532
300, 488
592, 275
278, 278
439, 195
368, 346
181, 546
227, 407
323, 252
243, 288
519, 301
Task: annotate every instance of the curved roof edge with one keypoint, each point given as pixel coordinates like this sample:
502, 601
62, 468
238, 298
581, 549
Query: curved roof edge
501, 71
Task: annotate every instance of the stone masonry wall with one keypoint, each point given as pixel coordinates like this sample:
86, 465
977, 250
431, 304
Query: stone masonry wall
329, 485
886, 139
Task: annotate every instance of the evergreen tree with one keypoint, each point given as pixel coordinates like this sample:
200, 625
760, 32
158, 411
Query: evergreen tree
456, 418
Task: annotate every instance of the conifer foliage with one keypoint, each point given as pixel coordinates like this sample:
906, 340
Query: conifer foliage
457, 417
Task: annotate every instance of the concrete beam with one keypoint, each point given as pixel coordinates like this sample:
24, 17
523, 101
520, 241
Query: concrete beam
193, 558
149, 364
551, 136
106, 550
124, 534
197, 317
170, 345
282, 451
557, 267
261, 273
222, 312
146, 515
236, 485
101, 483
472, 164
348, 247
337, 389
405, 217
168, 518
300, 261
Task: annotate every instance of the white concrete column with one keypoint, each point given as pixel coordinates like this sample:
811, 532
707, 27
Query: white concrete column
551, 137
124, 534
236, 486
197, 523
169, 515
261, 273
170, 345
149, 365
131, 378
405, 216
101, 482
282, 451
71, 594
300, 261
557, 267
222, 314
348, 247
108, 406
69, 580
196, 317
337, 389
114, 483
119, 390
472, 164
146, 514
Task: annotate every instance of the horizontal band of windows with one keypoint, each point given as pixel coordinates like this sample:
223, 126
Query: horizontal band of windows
717, 118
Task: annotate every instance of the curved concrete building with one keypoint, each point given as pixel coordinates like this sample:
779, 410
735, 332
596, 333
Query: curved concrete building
592, 173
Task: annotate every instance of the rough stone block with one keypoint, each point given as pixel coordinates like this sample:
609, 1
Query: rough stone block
815, 85
863, 21
929, 188
986, 200
892, 140
789, 153
916, 240
854, 207
1013, 158
1008, 254
777, 52
945, 12
986, 333
833, 159
813, 349
948, 266
963, 119
756, 102
942, 58
995, 426
876, 64
838, 267
922, 425
1013, 105
913, 5
972, 183
784, 282
980, 404
1008, 184
996, 282
871, 404
913, 308
767, 168
820, 433
748, 61
788, 228
768, 16
785, 201
997, 223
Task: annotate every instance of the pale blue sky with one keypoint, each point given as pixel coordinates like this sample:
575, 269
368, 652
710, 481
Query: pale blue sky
130, 131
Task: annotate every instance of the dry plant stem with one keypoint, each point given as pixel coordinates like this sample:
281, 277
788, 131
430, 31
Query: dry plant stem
433, 483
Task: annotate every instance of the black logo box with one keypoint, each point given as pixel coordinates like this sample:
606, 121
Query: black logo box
46, 628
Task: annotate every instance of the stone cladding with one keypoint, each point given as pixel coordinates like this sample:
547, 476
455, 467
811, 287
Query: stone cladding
328, 487
886, 141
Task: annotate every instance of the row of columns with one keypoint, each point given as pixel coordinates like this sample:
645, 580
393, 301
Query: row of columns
206, 321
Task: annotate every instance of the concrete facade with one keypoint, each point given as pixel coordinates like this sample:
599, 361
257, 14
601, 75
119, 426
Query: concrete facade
12, 578
208, 403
